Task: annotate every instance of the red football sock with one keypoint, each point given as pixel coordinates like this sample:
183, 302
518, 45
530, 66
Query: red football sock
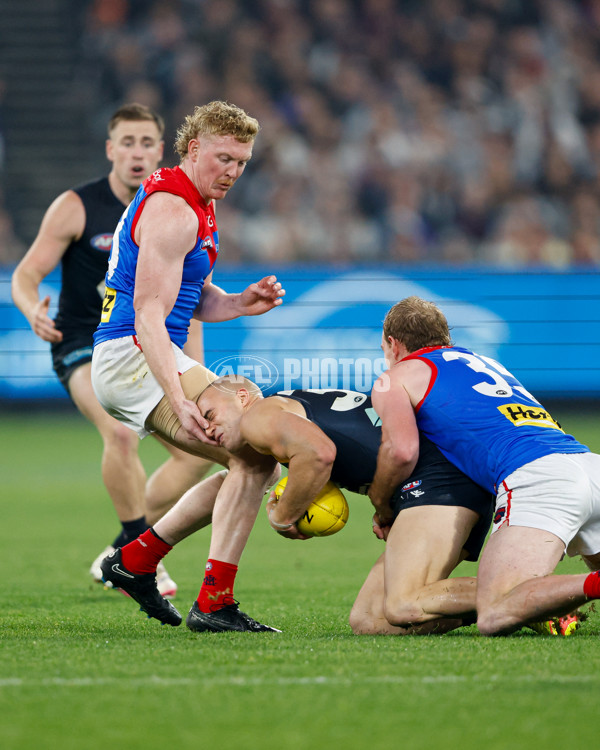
591, 585
144, 553
217, 587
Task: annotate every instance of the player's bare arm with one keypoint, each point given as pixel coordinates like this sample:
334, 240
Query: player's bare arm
399, 448
63, 223
158, 280
217, 305
273, 426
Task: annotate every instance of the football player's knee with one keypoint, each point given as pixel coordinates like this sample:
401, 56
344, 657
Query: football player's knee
402, 611
492, 621
361, 622
121, 438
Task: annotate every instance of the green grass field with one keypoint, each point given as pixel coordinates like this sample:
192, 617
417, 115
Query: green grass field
81, 668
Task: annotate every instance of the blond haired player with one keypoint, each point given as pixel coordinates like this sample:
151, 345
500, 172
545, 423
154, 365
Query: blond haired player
159, 278
76, 232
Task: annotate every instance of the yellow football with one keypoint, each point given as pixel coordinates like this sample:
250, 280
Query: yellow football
326, 515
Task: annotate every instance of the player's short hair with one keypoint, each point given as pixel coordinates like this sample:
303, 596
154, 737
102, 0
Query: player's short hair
216, 118
231, 384
134, 113
417, 323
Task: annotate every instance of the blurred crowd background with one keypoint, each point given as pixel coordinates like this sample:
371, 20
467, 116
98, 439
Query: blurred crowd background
462, 132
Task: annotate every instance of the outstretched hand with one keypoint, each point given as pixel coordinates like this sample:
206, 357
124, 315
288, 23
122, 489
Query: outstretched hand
42, 325
261, 296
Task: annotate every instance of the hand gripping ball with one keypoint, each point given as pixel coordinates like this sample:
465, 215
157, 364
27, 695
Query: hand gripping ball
326, 515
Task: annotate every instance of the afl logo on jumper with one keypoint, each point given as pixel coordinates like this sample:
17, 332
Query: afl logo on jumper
102, 241
411, 485
211, 246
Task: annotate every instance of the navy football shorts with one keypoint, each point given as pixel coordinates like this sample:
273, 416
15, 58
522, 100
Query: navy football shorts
69, 354
447, 485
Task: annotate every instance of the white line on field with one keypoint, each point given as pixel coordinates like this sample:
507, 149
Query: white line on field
155, 680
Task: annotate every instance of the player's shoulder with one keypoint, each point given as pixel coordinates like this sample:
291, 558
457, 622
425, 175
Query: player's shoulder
161, 178
169, 211
286, 404
261, 423
266, 413
275, 404
66, 213
407, 378
410, 368
78, 195
169, 180
392, 377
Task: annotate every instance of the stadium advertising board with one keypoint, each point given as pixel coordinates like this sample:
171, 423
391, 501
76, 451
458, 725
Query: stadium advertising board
544, 326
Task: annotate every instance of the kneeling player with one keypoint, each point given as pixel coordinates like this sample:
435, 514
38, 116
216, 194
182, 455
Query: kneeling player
323, 435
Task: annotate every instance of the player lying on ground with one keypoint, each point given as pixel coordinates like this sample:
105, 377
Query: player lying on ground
490, 426
333, 434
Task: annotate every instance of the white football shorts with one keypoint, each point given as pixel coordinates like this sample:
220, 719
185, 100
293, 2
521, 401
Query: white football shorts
559, 493
123, 383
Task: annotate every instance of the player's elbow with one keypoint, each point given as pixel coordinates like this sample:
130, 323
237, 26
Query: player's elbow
403, 457
324, 456
327, 454
21, 279
316, 451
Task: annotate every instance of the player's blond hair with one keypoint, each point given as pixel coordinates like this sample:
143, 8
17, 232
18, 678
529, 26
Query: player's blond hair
134, 112
417, 323
216, 118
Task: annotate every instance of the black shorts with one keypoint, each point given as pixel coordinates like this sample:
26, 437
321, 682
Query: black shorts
447, 485
69, 354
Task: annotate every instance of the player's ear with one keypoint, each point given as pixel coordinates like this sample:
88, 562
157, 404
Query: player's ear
243, 395
193, 148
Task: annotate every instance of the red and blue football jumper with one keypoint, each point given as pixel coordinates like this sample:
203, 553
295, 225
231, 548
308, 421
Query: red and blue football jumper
482, 418
118, 318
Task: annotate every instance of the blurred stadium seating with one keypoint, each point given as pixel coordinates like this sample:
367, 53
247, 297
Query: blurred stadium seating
448, 131
544, 326
450, 144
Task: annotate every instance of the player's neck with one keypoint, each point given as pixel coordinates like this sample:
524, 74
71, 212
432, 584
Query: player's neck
123, 192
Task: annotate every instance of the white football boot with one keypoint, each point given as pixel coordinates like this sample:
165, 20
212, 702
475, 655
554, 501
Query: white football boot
164, 583
95, 570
